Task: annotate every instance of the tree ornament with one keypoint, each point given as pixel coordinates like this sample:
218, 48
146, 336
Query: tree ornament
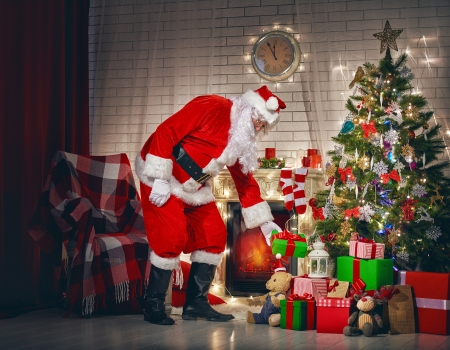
363, 162
425, 126
434, 232
408, 208
418, 190
387, 37
359, 75
347, 127
331, 170
411, 134
403, 256
339, 200
393, 237
346, 227
408, 151
351, 184
346, 174
366, 212
380, 168
411, 112
437, 197
406, 73
391, 136
413, 165
425, 217
338, 150
369, 128
331, 236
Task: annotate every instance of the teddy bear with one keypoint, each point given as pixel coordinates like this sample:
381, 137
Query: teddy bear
278, 285
365, 320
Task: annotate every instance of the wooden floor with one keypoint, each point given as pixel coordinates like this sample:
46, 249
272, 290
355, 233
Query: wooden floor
46, 329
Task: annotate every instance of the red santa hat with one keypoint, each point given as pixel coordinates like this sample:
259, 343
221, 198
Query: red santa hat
279, 266
266, 103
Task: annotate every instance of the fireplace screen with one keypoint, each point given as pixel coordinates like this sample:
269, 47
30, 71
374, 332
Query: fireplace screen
250, 262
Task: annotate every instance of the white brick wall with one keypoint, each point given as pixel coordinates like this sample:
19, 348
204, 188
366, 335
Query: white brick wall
137, 57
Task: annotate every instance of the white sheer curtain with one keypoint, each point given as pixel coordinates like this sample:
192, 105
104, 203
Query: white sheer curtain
149, 58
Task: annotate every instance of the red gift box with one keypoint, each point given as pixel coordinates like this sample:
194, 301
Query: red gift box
432, 295
332, 314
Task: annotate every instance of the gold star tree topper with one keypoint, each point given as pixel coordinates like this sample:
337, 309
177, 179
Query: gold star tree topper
387, 37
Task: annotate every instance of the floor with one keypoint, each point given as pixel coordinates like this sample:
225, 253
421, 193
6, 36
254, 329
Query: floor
46, 329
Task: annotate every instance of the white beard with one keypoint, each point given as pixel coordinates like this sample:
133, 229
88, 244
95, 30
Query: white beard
242, 144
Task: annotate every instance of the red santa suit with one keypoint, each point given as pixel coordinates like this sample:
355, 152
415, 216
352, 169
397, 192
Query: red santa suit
189, 221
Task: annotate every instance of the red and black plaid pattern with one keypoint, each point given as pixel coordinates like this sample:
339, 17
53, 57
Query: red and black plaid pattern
93, 200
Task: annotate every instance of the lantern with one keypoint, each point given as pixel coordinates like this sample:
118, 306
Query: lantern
318, 258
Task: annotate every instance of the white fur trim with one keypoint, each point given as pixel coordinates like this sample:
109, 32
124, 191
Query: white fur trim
190, 186
257, 214
202, 196
156, 167
202, 256
214, 166
164, 263
260, 104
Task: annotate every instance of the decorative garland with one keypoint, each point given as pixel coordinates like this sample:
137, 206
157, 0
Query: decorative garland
272, 163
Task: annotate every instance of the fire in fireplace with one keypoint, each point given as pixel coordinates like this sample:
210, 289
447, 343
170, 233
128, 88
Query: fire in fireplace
250, 262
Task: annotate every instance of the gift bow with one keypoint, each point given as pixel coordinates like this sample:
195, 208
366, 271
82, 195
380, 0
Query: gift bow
392, 175
386, 294
354, 236
295, 297
289, 236
332, 288
352, 212
366, 240
369, 128
347, 172
318, 213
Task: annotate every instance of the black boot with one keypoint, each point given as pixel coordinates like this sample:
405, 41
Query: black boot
155, 294
197, 305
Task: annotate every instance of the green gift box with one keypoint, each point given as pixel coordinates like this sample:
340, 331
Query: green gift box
289, 244
374, 272
298, 315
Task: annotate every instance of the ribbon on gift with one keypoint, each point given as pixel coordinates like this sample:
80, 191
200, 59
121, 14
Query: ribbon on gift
439, 304
332, 288
369, 128
358, 286
392, 175
310, 309
352, 212
367, 241
385, 294
291, 238
346, 173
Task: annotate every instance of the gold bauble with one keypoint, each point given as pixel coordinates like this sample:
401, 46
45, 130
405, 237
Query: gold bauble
355, 120
425, 126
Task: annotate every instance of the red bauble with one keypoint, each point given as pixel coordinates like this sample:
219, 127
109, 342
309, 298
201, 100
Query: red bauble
313, 202
411, 134
331, 236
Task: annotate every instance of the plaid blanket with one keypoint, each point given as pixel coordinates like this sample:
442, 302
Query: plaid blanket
92, 200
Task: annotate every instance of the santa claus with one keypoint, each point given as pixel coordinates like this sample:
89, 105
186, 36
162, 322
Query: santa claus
180, 214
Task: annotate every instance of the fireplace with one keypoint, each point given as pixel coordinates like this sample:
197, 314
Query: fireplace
247, 276
250, 262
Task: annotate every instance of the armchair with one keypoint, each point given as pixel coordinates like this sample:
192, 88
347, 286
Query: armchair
90, 208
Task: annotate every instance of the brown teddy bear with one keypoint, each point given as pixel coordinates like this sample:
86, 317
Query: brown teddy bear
365, 320
278, 285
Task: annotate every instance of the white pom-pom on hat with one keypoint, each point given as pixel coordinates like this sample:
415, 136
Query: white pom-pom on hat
272, 103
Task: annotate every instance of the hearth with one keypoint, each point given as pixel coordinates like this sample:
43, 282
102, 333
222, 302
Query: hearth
250, 262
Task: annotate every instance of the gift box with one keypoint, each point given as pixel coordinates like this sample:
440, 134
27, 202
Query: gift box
297, 313
431, 291
401, 312
337, 289
374, 272
366, 250
289, 244
317, 287
332, 314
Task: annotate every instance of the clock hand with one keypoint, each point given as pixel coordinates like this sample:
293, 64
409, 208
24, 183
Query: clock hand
273, 52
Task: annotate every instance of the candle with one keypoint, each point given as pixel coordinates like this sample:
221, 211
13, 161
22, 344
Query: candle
270, 153
312, 151
316, 161
306, 162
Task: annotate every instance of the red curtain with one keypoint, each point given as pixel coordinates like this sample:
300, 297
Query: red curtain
44, 106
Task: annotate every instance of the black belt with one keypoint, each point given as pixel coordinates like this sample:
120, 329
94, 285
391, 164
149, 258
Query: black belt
189, 165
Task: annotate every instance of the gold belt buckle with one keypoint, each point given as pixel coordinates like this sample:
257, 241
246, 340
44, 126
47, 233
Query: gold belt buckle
202, 179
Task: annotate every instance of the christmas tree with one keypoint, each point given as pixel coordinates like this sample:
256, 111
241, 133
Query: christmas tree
386, 180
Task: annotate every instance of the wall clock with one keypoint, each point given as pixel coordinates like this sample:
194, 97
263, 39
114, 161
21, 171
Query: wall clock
276, 55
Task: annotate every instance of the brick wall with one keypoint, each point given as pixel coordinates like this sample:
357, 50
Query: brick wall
132, 58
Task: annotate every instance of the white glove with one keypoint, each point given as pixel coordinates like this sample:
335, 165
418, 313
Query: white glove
267, 229
160, 192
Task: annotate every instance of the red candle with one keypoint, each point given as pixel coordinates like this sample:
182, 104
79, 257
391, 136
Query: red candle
306, 162
316, 161
270, 153
312, 151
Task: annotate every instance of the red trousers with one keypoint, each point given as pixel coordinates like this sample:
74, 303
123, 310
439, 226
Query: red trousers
178, 227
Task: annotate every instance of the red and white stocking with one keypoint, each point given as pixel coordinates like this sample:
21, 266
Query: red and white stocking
299, 190
286, 187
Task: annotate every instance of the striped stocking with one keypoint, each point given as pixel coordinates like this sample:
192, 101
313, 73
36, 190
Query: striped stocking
286, 187
299, 190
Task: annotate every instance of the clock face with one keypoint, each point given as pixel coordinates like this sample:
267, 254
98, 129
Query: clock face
276, 56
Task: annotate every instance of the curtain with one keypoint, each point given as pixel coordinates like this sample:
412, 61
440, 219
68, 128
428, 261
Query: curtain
44, 101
